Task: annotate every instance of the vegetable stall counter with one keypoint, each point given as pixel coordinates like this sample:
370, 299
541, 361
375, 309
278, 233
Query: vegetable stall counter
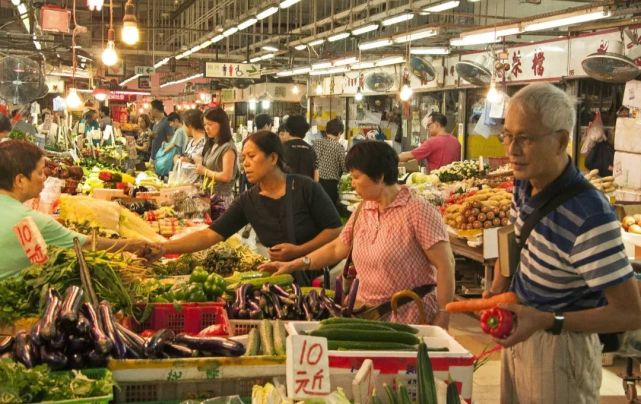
461, 248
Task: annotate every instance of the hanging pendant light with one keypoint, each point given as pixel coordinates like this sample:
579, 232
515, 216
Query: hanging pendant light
100, 94
73, 100
95, 5
493, 95
109, 55
406, 92
130, 33
359, 95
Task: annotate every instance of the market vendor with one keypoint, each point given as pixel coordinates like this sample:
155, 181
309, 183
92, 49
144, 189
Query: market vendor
397, 240
439, 149
22, 178
291, 214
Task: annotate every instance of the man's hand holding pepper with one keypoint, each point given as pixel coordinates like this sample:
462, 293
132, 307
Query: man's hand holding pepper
528, 321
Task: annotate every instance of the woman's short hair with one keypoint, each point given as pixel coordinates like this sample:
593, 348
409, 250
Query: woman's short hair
194, 118
145, 119
375, 159
268, 143
17, 157
334, 127
219, 116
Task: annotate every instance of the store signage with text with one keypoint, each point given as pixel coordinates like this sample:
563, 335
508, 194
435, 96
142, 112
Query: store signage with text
232, 70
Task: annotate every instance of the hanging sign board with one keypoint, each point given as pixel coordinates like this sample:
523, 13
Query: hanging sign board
232, 70
144, 70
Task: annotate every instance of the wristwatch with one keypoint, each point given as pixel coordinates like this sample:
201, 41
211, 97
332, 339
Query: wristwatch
557, 327
307, 262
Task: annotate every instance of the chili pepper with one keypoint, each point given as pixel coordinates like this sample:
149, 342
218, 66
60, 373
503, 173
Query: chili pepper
198, 275
497, 322
215, 286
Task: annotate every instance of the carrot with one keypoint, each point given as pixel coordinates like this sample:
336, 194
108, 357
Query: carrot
481, 304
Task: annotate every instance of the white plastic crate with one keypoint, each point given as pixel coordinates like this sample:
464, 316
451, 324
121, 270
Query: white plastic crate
457, 362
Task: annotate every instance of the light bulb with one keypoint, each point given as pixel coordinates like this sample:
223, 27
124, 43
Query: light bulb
146, 105
73, 99
295, 90
359, 95
109, 55
130, 34
406, 92
252, 104
319, 90
493, 95
141, 111
265, 104
95, 5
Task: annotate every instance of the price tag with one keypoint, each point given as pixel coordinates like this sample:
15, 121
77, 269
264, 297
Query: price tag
31, 240
307, 367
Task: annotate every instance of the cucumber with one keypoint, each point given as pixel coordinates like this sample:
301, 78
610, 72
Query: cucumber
280, 280
391, 394
396, 326
367, 336
279, 337
340, 345
452, 394
364, 327
425, 376
253, 343
266, 337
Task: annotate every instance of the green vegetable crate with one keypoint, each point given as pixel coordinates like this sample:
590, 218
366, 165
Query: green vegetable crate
189, 318
97, 373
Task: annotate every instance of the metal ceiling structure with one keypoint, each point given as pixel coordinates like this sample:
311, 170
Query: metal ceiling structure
170, 27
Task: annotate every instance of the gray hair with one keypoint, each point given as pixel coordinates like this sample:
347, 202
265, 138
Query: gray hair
553, 106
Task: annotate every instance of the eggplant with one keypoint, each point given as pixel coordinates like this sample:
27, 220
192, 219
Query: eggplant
153, 346
285, 300
102, 343
308, 311
277, 307
76, 361
351, 299
95, 358
279, 291
70, 306
35, 333
55, 359
216, 345
134, 343
338, 290
6, 343
178, 351
107, 322
296, 289
83, 326
328, 304
79, 345
22, 351
326, 281
52, 307
58, 342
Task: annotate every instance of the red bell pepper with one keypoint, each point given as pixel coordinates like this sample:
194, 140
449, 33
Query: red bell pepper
497, 322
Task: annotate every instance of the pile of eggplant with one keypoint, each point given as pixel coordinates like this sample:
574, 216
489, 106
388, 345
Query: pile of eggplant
73, 335
273, 302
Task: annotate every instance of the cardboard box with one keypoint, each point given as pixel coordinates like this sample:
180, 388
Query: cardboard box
627, 135
627, 172
632, 94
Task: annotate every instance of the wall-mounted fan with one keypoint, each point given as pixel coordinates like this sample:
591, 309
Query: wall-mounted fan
242, 83
477, 73
379, 81
422, 69
611, 66
21, 80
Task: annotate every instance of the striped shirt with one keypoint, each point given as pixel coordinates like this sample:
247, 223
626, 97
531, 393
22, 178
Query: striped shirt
573, 254
331, 158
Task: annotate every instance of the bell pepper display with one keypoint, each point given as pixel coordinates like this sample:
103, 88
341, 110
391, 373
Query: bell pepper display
198, 275
215, 286
497, 322
196, 293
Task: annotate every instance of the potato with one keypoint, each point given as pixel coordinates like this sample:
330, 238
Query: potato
496, 221
637, 218
490, 215
501, 214
482, 217
505, 221
635, 228
627, 222
487, 224
485, 209
476, 224
471, 219
477, 205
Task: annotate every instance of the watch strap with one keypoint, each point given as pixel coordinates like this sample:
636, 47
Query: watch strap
557, 326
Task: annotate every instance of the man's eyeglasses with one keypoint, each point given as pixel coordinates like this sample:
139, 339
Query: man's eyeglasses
522, 140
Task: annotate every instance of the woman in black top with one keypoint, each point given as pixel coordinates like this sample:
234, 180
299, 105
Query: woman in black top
291, 214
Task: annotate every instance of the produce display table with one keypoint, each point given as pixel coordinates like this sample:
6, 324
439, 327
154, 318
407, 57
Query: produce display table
460, 247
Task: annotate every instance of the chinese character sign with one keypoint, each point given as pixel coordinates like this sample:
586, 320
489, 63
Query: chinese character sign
516, 64
31, 240
307, 367
537, 63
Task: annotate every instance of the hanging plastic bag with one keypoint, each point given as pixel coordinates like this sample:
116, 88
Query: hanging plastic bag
594, 134
164, 161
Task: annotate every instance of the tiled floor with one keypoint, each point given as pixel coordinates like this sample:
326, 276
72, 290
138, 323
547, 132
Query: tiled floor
486, 379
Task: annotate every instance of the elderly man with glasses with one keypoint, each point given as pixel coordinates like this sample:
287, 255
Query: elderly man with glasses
574, 279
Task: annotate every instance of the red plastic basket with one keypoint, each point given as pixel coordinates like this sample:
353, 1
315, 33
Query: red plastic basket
189, 318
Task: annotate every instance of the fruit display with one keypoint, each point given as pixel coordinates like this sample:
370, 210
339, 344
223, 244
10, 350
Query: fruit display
489, 207
105, 178
603, 184
460, 170
65, 170
632, 224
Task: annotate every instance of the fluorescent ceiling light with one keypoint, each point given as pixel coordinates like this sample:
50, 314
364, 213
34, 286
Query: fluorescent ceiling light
430, 51
300, 47
394, 60
254, 60
284, 73
134, 77
217, 38
247, 23
363, 65
474, 40
566, 19
335, 70
415, 35
270, 48
267, 56
316, 42
230, 31
446, 5
267, 12
338, 37
300, 70
345, 61
37, 45
492, 33
22, 9
15, 2
398, 18
364, 29
25, 21
374, 44
321, 65
288, 3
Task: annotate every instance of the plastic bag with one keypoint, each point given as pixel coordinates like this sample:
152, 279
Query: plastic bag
594, 134
164, 161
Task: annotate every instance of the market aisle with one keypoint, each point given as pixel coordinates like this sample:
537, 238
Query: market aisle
466, 330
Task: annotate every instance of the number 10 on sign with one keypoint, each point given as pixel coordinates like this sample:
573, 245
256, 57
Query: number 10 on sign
307, 367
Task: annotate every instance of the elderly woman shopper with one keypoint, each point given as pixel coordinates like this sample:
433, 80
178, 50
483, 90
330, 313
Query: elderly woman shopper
291, 214
397, 240
219, 167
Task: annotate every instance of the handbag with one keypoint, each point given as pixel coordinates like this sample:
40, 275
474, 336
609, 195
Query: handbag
610, 341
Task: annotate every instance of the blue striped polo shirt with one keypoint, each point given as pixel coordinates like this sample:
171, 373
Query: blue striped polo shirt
572, 254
